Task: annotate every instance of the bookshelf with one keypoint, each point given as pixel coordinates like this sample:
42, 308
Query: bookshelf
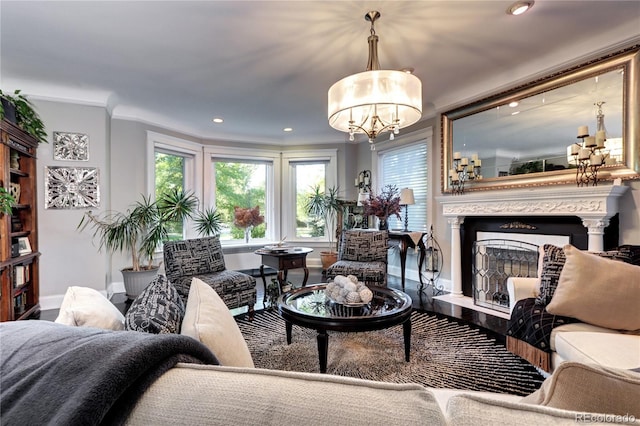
19, 255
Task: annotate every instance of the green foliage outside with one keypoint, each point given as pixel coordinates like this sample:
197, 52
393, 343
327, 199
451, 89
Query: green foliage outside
242, 185
169, 176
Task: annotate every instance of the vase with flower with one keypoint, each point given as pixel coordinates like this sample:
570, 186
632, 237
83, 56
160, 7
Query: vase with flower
247, 218
383, 205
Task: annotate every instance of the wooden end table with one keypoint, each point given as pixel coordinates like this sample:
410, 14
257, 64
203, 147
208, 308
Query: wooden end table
282, 261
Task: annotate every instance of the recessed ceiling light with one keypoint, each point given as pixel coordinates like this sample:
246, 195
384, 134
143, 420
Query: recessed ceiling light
515, 113
408, 70
520, 7
513, 104
218, 120
287, 129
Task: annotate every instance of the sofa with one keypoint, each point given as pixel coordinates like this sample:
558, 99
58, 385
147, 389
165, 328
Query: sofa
59, 374
589, 302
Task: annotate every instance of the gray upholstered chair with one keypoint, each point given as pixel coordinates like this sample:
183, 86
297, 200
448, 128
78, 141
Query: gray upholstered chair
363, 254
203, 258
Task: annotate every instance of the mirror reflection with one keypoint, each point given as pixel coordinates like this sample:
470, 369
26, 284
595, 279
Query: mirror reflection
540, 132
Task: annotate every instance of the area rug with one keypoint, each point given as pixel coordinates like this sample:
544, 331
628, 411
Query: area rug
444, 354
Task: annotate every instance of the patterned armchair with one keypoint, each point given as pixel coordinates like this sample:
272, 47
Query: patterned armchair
363, 254
203, 258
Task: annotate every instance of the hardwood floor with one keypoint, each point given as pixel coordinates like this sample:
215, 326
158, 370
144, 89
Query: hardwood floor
495, 327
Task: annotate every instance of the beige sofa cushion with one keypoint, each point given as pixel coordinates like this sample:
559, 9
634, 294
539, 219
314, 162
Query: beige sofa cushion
84, 306
607, 349
590, 388
577, 327
215, 395
597, 290
208, 320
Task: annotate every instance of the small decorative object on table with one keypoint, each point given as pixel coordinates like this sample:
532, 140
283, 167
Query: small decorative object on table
273, 292
247, 218
348, 291
383, 205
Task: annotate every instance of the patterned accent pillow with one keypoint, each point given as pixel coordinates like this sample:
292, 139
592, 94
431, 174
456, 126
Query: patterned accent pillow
552, 263
158, 309
626, 253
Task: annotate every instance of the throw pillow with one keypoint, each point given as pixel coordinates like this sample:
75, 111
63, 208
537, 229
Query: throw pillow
158, 309
553, 259
83, 306
589, 388
208, 320
598, 291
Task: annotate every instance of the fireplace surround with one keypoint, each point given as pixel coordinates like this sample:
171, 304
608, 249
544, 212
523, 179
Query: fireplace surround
587, 215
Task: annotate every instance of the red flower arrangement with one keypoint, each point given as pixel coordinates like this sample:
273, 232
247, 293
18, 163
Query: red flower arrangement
385, 204
247, 217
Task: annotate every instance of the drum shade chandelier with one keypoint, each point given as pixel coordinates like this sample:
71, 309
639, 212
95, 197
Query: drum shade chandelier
375, 101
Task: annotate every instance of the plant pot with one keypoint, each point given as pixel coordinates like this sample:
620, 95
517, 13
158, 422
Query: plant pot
328, 258
9, 111
136, 281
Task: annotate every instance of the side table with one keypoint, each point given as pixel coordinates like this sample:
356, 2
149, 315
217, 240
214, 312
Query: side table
282, 261
406, 240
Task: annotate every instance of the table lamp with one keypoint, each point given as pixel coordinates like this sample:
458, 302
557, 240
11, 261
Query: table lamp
406, 198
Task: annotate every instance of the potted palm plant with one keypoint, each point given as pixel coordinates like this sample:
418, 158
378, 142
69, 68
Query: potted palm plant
325, 206
141, 229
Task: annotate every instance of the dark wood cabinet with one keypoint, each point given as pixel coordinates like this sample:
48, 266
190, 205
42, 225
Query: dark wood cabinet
19, 255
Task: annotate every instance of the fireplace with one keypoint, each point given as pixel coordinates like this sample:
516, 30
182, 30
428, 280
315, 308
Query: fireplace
587, 216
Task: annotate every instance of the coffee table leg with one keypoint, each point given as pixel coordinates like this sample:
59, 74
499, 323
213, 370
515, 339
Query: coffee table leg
288, 326
323, 346
406, 328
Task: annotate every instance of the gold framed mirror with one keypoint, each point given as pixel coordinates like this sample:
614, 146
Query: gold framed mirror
523, 136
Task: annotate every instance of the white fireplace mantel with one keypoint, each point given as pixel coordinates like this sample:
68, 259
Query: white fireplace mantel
595, 205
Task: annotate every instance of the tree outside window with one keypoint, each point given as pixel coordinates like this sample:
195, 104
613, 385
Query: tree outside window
307, 177
241, 184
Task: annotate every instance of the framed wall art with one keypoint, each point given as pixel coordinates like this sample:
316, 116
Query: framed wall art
70, 146
71, 187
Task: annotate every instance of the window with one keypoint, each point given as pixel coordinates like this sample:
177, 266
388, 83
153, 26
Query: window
246, 179
406, 167
302, 172
307, 177
175, 163
239, 184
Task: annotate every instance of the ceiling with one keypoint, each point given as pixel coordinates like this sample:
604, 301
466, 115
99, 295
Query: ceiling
266, 65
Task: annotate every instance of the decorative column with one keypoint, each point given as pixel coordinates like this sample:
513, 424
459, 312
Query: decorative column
456, 255
595, 231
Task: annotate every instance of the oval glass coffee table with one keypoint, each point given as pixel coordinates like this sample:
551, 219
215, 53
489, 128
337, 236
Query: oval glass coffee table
309, 307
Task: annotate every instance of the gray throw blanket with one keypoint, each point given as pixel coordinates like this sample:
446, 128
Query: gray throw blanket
57, 374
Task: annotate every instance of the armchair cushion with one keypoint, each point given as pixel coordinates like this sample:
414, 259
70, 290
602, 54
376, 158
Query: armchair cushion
364, 246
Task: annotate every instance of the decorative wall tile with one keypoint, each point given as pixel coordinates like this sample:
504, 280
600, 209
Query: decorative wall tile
71, 187
70, 146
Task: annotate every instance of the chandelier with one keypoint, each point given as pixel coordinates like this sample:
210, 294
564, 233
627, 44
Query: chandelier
375, 101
